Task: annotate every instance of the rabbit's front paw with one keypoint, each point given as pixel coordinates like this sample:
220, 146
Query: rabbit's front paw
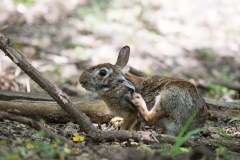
137, 99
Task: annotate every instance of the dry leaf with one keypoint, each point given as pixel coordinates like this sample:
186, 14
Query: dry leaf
78, 138
116, 121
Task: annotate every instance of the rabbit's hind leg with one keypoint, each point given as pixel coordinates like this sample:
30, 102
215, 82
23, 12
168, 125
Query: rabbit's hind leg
152, 116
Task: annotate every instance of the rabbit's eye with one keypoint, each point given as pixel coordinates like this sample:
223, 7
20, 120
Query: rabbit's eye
102, 72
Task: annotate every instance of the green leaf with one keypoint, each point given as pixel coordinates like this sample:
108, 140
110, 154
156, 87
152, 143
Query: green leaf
179, 142
224, 134
234, 119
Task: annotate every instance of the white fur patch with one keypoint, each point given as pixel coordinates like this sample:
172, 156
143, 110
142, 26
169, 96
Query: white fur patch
144, 105
157, 99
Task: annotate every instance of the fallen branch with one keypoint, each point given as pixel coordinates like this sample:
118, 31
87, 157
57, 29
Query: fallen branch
233, 145
219, 104
224, 110
42, 106
36, 125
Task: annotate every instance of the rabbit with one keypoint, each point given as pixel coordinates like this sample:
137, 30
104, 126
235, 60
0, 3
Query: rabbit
160, 101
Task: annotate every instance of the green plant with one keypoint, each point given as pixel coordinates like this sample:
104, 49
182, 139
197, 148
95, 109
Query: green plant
221, 153
217, 90
95, 7
216, 87
39, 149
181, 139
206, 53
45, 148
222, 133
224, 74
81, 54
62, 81
9, 156
236, 118
56, 68
165, 151
25, 2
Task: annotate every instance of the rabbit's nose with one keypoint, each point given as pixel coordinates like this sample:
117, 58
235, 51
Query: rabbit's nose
82, 78
81, 81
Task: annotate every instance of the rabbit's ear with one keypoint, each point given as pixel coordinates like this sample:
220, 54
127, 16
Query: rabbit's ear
123, 57
126, 81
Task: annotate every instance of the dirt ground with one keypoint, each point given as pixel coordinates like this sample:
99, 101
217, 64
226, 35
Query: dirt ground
194, 40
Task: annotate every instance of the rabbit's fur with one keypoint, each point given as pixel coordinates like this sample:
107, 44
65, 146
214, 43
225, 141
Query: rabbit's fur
160, 101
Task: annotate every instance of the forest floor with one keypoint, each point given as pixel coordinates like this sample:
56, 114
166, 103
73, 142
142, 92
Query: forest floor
194, 40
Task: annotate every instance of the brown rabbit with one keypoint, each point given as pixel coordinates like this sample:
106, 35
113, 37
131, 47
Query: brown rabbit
171, 101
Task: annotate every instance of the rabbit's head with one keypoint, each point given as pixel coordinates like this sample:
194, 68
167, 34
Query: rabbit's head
103, 77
